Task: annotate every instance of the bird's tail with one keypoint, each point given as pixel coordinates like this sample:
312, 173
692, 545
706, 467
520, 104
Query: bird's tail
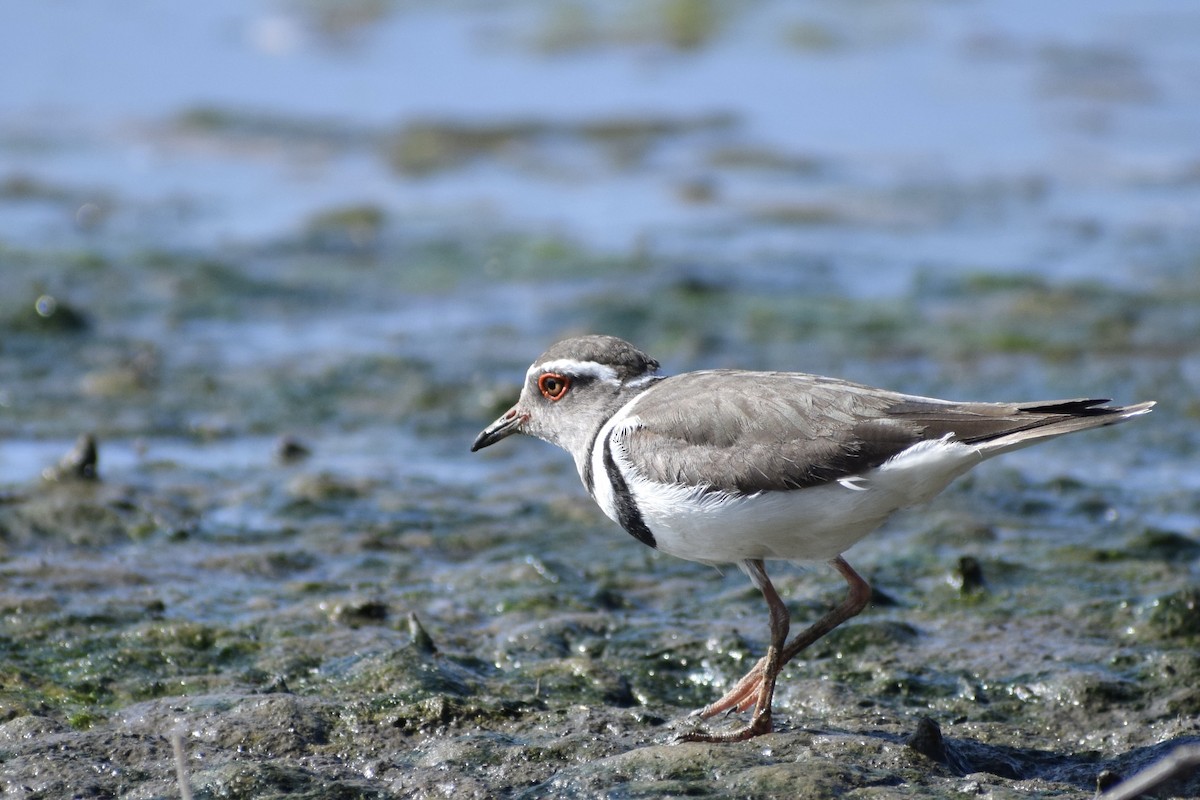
1056, 418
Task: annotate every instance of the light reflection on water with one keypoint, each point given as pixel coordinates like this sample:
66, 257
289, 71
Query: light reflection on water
919, 110
985, 200
381, 454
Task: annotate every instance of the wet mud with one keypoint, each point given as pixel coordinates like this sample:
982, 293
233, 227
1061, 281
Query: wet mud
244, 550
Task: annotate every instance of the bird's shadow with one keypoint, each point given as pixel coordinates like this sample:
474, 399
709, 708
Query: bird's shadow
1086, 769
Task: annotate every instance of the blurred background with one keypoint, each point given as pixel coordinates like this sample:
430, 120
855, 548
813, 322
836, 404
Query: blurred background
228, 194
284, 259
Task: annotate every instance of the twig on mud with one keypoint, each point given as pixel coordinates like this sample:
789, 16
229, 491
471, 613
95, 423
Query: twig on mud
1180, 762
181, 775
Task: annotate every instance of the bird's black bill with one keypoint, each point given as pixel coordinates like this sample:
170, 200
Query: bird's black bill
507, 425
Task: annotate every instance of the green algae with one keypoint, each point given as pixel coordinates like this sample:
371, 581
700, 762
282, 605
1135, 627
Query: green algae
425, 147
229, 124
259, 607
1176, 615
49, 314
682, 25
1042, 614
354, 228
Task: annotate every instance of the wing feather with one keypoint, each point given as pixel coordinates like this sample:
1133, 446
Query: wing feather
748, 432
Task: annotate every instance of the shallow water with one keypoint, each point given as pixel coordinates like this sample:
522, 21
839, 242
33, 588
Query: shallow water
284, 261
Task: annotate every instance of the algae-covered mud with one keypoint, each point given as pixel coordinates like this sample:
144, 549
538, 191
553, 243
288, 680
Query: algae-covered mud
267, 268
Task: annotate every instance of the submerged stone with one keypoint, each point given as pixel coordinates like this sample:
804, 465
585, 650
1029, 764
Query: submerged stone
927, 740
1176, 615
81, 462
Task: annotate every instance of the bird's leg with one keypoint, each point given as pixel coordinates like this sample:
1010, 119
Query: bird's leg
744, 694
758, 685
856, 600
757, 688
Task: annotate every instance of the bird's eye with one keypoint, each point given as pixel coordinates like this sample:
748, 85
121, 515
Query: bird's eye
553, 386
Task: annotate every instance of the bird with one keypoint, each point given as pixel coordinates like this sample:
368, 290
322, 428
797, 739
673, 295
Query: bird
726, 466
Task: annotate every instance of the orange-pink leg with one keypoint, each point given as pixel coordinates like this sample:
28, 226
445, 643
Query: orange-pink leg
757, 688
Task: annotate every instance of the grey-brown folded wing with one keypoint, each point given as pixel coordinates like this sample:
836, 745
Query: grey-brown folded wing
747, 432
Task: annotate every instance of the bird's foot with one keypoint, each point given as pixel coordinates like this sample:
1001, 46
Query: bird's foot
758, 725
743, 696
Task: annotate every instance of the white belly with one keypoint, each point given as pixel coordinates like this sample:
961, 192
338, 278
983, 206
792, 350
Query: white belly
812, 524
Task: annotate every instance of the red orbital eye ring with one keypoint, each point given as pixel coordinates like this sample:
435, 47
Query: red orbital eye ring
553, 386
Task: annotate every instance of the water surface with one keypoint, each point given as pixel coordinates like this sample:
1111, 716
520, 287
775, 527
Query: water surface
284, 260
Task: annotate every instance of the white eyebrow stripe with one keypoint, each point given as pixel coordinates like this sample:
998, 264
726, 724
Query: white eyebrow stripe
570, 366
649, 377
